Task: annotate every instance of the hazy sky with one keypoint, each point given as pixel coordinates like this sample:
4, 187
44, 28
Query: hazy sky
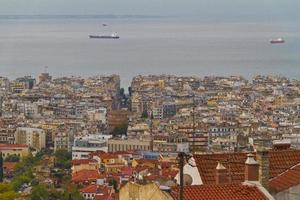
223, 8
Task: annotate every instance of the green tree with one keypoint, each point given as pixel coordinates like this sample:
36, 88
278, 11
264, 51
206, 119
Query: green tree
54, 194
5, 187
63, 159
72, 192
12, 158
120, 130
9, 195
7, 192
18, 181
39, 193
122, 92
145, 114
26, 164
113, 183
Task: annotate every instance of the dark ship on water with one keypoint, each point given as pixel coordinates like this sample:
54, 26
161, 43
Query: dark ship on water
277, 41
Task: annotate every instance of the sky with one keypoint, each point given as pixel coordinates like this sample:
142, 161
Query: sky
153, 7
201, 8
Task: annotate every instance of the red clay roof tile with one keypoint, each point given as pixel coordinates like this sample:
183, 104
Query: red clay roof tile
285, 180
85, 175
9, 165
12, 146
220, 192
280, 161
83, 161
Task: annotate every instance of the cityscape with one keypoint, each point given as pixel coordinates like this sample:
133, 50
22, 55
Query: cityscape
88, 138
149, 100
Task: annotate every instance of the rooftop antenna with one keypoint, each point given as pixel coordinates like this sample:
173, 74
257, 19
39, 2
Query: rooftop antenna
194, 128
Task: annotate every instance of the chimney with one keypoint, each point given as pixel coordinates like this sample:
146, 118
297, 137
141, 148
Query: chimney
262, 157
251, 168
221, 174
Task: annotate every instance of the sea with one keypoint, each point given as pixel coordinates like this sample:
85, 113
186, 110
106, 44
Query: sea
60, 45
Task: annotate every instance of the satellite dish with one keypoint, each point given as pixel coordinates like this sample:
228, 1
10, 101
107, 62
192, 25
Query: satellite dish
187, 180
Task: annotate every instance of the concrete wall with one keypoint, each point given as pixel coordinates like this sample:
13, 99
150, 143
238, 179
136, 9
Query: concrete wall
292, 193
133, 191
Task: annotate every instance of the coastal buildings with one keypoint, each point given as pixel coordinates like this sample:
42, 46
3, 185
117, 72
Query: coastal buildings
20, 150
7, 135
116, 118
129, 144
216, 120
62, 141
84, 145
33, 137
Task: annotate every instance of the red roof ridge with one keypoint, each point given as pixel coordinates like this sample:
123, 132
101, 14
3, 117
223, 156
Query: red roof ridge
285, 180
83, 161
3, 146
287, 170
280, 161
222, 192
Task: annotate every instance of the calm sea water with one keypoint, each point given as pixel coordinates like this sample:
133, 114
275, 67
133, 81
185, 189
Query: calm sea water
147, 46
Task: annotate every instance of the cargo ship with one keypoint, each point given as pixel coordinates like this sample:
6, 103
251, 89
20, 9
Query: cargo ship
277, 41
112, 36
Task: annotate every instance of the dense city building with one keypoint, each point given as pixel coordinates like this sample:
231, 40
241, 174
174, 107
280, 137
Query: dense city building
235, 134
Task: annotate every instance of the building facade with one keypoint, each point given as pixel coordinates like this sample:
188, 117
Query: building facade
33, 137
129, 144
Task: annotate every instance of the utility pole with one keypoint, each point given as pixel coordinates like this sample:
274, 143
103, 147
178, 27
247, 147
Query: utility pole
181, 156
1, 167
194, 129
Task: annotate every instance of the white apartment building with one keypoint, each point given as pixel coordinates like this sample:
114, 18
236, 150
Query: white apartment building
32, 137
83, 146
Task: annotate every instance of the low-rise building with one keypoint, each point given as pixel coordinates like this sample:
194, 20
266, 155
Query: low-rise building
20, 150
129, 144
84, 164
83, 146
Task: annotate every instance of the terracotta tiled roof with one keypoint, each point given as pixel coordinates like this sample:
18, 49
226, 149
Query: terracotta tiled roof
109, 156
145, 161
9, 165
85, 175
126, 171
82, 161
207, 166
280, 161
140, 168
102, 192
97, 153
91, 189
220, 192
12, 146
124, 152
106, 197
285, 180
169, 173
